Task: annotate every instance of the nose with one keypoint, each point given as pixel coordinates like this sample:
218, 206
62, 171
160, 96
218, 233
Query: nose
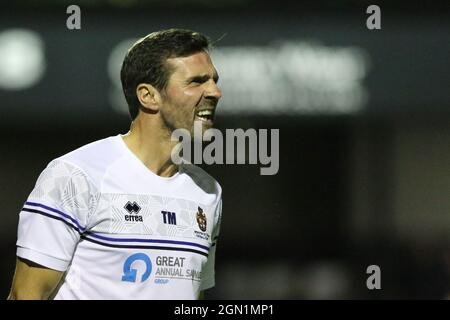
213, 91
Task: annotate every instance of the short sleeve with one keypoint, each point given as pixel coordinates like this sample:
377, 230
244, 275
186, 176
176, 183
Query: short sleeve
55, 215
208, 280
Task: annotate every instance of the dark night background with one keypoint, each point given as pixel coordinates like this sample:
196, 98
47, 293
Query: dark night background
360, 183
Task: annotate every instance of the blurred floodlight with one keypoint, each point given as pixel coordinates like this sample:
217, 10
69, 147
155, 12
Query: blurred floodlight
115, 60
291, 78
22, 59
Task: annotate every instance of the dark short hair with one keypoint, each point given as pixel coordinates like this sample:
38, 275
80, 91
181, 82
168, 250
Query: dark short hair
145, 61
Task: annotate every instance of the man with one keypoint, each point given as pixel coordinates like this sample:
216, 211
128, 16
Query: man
117, 218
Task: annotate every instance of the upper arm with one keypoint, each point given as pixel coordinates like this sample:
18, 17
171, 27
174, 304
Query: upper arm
33, 282
50, 224
55, 215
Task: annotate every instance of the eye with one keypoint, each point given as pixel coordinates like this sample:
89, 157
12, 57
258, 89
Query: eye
199, 80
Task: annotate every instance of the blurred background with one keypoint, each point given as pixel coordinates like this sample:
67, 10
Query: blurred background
364, 120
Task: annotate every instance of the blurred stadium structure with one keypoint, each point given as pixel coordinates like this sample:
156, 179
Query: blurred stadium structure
364, 119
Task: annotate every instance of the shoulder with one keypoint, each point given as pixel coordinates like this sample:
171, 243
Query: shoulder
203, 179
92, 159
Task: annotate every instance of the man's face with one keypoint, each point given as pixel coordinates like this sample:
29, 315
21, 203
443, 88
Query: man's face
192, 93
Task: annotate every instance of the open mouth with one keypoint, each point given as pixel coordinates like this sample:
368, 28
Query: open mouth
205, 115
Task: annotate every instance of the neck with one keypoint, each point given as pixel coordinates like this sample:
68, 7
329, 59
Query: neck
150, 142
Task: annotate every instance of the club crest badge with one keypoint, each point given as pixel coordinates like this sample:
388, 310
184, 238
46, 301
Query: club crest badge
201, 219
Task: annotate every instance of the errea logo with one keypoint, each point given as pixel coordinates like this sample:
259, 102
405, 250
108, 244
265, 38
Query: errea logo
133, 207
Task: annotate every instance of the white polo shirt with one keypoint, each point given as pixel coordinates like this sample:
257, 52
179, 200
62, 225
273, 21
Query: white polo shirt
118, 230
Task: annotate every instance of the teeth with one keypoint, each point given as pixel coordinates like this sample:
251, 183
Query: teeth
204, 113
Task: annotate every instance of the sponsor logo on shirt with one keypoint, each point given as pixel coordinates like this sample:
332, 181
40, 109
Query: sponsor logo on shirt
167, 268
170, 267
130, 274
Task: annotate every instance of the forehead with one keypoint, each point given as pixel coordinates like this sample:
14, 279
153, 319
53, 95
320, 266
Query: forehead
197, 63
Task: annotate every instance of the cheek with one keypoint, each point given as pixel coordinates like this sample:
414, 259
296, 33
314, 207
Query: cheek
182, 110
192, 93
182, 106
191, 98
186, 99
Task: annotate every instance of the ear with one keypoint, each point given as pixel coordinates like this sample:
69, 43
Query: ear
149, 97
